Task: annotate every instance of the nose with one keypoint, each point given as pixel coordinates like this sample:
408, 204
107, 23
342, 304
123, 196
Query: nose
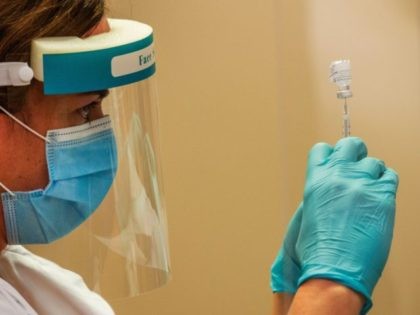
96, 112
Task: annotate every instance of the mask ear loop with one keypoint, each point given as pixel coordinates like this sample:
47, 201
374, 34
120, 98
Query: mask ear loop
27, 128
7, 189
23, 125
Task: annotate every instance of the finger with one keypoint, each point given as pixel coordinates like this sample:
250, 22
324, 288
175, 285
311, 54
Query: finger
293, 228
319, 153
390, 178
285, 270
350, 149
374, 167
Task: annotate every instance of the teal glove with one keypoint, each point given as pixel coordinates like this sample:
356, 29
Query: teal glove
348, 217
285, 271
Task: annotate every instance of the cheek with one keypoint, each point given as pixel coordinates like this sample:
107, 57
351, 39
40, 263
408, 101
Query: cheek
31, 170
65, 121
43, 113
40, 178
54, 117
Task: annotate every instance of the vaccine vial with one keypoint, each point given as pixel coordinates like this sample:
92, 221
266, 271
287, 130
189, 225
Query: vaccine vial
340, 74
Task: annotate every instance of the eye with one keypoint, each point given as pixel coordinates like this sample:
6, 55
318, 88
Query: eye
85, 110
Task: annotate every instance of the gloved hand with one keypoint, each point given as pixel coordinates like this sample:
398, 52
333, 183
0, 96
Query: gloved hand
347, 217
285, 271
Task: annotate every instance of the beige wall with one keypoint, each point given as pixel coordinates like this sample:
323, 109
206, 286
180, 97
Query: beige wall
218, 81
382, 40
244, 94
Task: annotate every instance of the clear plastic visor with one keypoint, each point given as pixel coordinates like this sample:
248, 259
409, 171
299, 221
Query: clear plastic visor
122, 249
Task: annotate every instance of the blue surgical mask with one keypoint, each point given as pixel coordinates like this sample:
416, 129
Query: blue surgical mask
82, 162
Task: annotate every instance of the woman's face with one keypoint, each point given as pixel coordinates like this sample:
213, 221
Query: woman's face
25, 152
53, 112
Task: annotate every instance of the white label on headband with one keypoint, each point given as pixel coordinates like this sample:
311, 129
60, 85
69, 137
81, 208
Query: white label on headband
133, 62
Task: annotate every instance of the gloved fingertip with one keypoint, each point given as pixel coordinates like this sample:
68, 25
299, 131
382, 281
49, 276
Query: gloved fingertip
374, 167
350, 149
391, 176
319, 153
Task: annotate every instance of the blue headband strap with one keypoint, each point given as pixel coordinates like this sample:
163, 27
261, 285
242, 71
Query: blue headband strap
98, 70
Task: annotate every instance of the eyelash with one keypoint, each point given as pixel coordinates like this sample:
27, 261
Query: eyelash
85, 110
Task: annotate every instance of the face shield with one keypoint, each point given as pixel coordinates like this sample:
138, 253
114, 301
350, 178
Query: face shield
118, 241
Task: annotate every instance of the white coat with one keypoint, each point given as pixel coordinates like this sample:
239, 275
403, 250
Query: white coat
32, 285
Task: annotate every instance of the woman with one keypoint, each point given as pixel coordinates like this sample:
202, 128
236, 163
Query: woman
23, 162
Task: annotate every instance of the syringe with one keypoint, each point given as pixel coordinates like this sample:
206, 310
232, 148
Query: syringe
340, 74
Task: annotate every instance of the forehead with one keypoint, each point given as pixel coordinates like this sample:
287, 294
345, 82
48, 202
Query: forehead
101, 27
